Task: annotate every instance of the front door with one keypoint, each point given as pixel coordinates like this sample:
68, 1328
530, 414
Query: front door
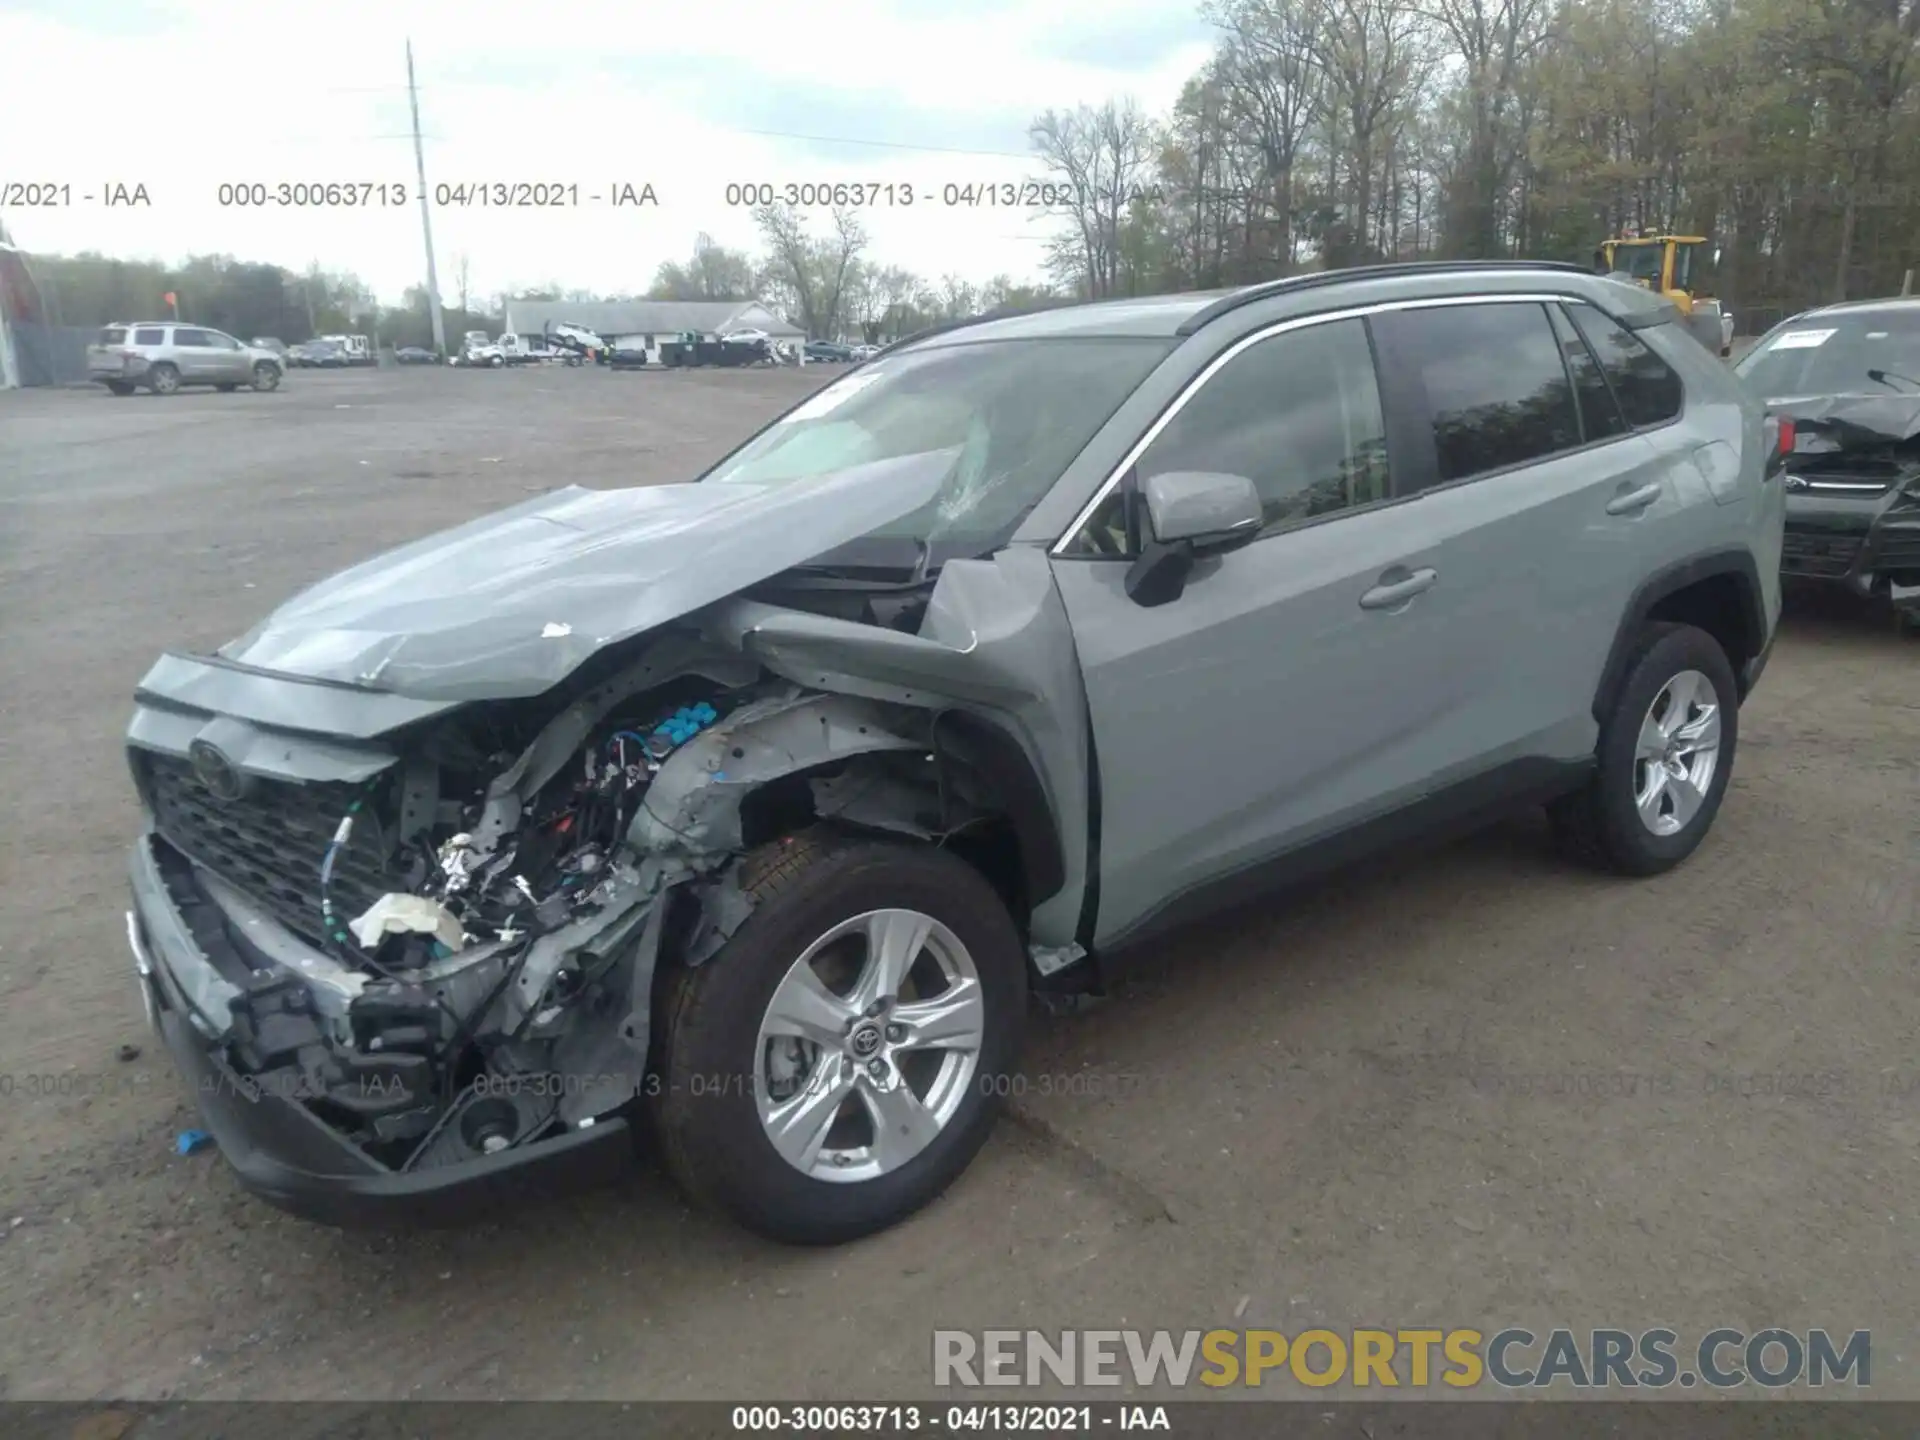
229, 358
1295, 686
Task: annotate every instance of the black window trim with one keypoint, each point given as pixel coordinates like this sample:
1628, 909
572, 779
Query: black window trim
1566, 364
1567, 304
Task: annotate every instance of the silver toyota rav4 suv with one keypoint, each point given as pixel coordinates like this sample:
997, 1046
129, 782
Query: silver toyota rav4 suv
747, 813
162, 356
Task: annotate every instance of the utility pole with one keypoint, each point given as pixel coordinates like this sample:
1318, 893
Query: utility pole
426, 215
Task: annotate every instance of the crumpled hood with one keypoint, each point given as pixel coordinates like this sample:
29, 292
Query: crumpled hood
1854, 420
511, 603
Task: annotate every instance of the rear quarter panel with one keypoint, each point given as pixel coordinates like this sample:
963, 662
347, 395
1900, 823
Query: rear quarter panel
1748, 512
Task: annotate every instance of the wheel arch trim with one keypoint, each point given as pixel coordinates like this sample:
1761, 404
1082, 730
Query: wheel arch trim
1734, 562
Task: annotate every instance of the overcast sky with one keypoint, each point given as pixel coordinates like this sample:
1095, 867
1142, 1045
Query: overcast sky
182, 95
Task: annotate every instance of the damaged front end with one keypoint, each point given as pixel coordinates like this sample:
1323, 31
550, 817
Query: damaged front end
430, 945
408, 949
1853, 496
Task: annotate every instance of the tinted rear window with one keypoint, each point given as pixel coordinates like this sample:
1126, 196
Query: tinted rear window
112, 337
1599, 416
1493, 380
1648, 391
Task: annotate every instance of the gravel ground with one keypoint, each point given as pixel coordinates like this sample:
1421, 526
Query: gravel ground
1473, 1087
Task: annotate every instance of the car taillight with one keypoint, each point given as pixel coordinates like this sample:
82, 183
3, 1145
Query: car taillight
1784, 428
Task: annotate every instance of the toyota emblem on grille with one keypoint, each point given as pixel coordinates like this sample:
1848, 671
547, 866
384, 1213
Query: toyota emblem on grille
218, 775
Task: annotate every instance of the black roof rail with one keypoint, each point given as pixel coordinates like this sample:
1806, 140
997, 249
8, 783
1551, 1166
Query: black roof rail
1288, 284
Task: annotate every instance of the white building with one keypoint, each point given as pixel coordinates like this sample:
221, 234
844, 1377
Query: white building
647, 324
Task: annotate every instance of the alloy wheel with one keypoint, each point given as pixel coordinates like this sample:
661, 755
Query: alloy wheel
868, 1045
1676, 754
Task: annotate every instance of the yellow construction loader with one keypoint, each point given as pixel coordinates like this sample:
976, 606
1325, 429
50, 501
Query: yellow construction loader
1671, 264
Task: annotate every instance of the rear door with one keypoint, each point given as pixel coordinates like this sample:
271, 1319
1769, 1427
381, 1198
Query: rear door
1538, 498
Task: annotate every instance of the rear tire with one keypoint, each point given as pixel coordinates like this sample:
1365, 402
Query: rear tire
719, 1081
163, 379
1652, 799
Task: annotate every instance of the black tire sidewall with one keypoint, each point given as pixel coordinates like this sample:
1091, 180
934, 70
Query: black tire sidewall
265, 377
1664, 653
708, 1080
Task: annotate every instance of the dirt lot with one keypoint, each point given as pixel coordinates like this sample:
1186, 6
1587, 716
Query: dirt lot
1473, 1088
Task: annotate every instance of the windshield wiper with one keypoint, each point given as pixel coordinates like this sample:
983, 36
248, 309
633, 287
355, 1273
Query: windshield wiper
1884, 377
846, 567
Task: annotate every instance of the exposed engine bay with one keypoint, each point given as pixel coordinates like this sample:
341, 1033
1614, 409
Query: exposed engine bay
469, 968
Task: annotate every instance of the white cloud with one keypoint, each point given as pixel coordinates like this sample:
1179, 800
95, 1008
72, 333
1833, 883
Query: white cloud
184, 97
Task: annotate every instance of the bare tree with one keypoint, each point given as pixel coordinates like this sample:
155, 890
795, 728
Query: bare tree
1495, 40
462, 278
713, 273
813, 271
1273, 89
1103, 159
1371, 52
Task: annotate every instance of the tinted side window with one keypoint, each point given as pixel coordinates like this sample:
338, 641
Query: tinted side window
1496, 388
1297, 414
221, 342
1648, 391
196, 338
1599, 416
155, 336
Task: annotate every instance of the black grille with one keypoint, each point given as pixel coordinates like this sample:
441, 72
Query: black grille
269, 843
1804, 553
1898, 550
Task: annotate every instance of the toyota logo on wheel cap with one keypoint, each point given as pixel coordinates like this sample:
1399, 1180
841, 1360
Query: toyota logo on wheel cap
866, 1041
218, 775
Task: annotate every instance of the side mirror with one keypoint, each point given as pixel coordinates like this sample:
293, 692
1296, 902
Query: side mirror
1190, 514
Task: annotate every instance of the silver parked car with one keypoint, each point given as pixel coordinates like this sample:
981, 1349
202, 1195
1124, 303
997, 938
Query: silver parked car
162, 356
750, 811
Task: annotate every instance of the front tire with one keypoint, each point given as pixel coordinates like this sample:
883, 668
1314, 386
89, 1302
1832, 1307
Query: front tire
1665, 757
266, 377
837, 1064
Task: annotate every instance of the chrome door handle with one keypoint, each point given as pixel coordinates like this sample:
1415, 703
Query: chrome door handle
1634, 500
1389, 593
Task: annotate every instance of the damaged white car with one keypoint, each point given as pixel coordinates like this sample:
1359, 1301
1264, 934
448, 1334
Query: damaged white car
747, 813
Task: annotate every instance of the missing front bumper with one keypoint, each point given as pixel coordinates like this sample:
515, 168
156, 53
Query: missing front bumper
288, 1156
